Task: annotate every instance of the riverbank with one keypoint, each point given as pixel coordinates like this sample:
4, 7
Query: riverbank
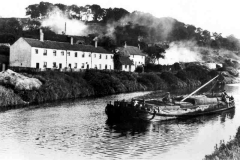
93, 83
227, 151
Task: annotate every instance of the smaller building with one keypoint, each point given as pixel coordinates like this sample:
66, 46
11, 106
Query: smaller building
132, 53
126, 64
212, 65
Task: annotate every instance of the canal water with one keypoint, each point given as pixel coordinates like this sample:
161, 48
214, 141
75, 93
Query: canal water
80, 130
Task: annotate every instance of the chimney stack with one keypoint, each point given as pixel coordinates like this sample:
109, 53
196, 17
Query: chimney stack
125, 46
41, 35
65, 28
71, 40
96, 41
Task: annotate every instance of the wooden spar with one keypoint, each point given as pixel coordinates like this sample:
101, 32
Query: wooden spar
198, 89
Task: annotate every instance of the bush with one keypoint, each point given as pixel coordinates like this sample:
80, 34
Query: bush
152, 81
184, 76
57, 86
198, 72
172, 80
139, 69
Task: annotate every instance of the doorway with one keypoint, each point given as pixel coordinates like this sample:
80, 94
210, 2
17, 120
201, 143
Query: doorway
60, 65
37, 65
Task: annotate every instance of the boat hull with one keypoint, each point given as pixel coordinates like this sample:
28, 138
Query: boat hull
158, 113
160, 116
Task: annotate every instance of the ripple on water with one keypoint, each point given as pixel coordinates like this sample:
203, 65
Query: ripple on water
79, 129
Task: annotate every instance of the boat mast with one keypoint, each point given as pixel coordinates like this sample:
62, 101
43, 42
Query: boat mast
198, 89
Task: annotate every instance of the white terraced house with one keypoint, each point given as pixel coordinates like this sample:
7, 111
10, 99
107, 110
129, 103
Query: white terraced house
34, 53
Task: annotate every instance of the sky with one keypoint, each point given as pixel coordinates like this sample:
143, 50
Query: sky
221, 16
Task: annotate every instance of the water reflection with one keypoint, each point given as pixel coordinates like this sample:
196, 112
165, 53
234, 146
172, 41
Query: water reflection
158, 137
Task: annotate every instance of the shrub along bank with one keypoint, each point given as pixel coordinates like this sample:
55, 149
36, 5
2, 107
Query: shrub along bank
69, 85
230, 150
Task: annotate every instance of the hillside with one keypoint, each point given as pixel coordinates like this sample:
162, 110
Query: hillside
115, 26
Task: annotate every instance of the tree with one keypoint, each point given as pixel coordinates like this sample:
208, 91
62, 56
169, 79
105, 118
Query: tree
199, 37
233, 42
179, 32
45, 8
75, 10
217, 38
215, 44
39, 10
7, 38
33, 11
107, 43
33, 25
191, 31
114, 14
62, 7
206, 37
117, 63
97, 11
11, 26
154, 53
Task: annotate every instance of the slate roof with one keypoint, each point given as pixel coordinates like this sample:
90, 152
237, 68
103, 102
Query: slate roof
130, 50
125, 60
64, 46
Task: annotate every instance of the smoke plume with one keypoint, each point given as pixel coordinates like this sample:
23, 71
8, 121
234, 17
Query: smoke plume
184, 51
56, 22
189, 51
162, 26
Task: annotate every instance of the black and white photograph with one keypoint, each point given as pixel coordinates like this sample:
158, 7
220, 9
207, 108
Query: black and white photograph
119, 80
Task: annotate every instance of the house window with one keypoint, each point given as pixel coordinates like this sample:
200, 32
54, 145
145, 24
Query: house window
95, 55
105, 66
75, 54
95, 66
100, 56
106, 56
75, 66
54, 65
100, 66
54, 53
111, 57
44, 64
62, 53
45, 52
69, 65
82, 65
125, 66
68, 53
83, 55
36, 51
89, 55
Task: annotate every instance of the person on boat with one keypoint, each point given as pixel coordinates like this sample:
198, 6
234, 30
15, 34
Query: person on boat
224, 96
167, 97
231, 98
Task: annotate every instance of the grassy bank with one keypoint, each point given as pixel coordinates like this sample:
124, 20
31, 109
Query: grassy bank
96, 83
228, 151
